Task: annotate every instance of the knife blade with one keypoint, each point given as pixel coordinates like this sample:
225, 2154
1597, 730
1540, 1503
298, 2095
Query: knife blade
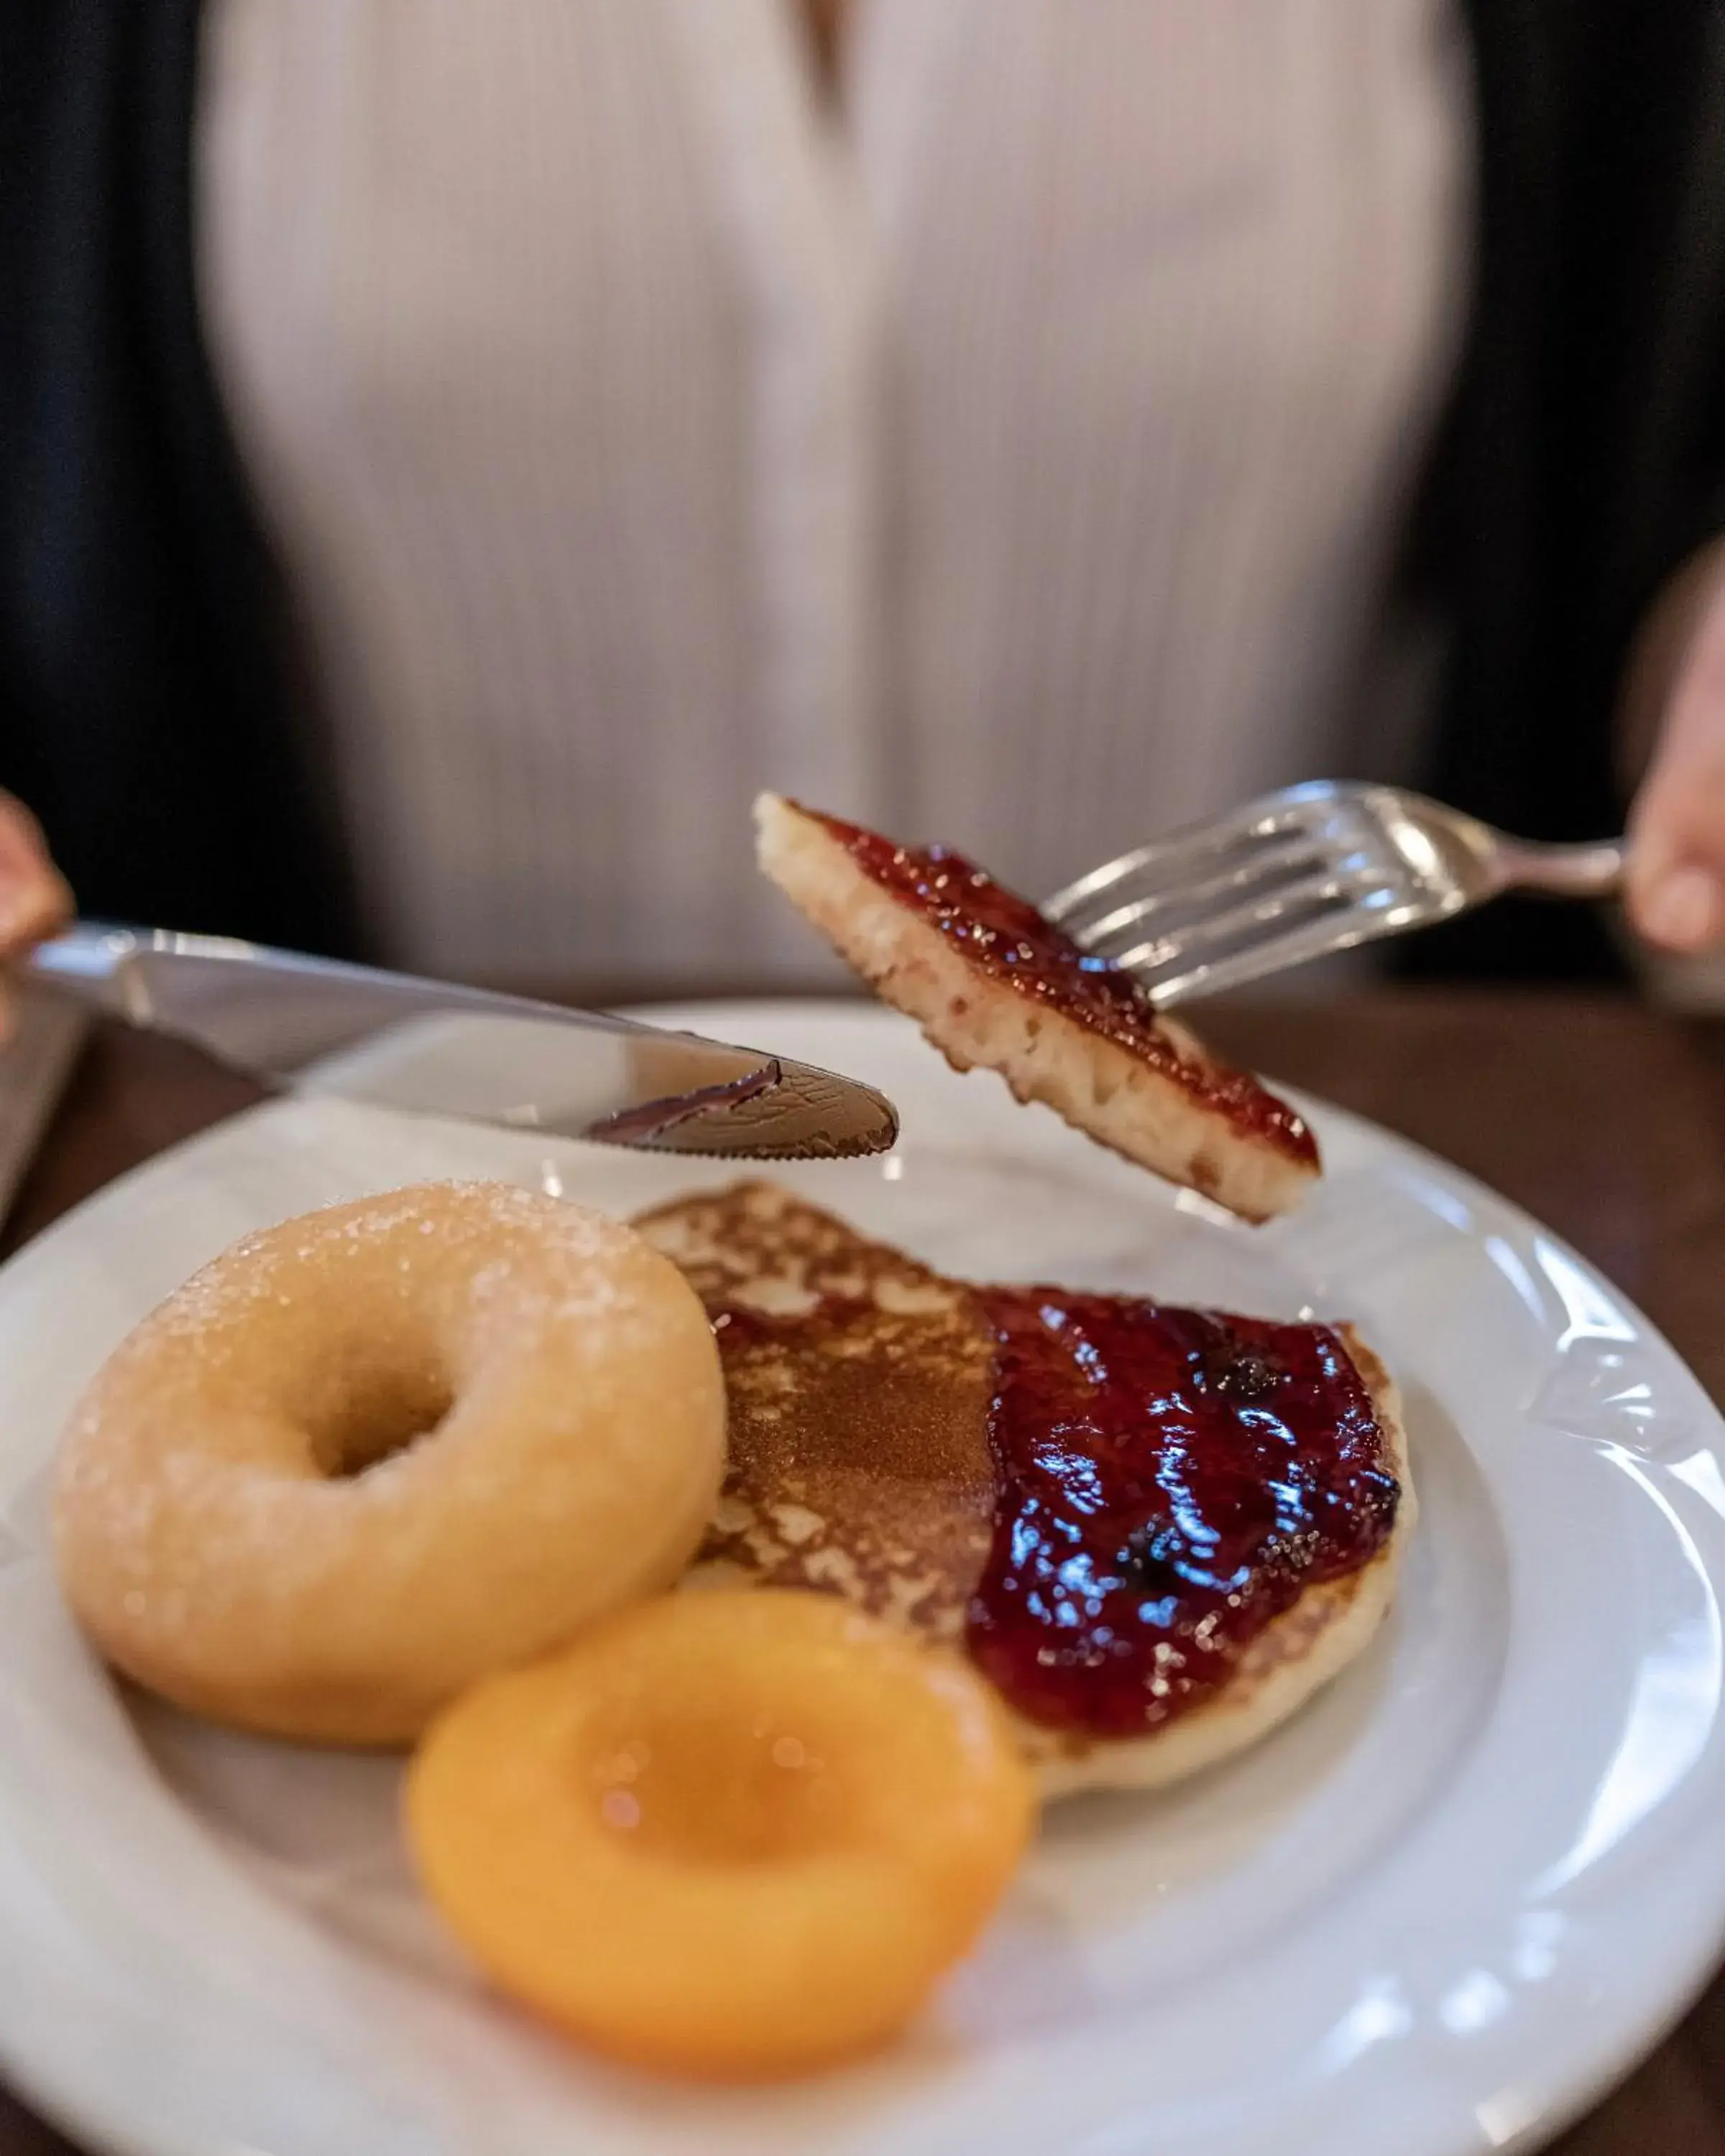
310, 1026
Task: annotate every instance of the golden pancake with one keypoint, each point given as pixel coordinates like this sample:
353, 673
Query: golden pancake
861, 1384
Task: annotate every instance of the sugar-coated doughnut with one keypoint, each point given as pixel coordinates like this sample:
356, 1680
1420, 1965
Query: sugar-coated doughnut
372, 1454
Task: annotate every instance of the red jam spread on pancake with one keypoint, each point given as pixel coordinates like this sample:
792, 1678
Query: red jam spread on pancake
1007, 940
1167, 1482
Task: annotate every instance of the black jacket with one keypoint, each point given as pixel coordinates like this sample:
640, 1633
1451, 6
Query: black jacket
147, 703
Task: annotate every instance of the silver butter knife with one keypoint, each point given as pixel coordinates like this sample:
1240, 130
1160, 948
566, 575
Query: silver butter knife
308, 1025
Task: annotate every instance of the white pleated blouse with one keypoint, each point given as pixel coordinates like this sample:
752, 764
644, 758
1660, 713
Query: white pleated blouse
1010, 454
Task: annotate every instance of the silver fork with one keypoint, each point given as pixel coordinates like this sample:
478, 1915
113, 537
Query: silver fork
1298, 875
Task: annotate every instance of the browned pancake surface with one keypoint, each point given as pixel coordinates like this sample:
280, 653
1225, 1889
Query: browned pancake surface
859, 1441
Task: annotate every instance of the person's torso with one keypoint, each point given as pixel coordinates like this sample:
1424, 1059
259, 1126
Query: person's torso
1010, 457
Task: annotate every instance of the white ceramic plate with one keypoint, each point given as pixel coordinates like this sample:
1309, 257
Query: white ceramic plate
1436, 1914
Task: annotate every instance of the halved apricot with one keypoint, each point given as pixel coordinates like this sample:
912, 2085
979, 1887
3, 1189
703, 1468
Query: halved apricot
729, 1835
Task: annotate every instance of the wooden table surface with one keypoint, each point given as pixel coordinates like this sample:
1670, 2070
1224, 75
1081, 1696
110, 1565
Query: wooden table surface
1604, 1119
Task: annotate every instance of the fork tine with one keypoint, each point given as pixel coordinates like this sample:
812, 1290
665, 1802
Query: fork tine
1254, 919
1165, 863
1308, 807
1262, 868
1319, 936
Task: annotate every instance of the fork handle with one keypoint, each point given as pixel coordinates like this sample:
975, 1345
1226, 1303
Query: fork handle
1594, 871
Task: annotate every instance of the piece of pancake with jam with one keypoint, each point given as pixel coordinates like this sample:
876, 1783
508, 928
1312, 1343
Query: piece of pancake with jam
992, 984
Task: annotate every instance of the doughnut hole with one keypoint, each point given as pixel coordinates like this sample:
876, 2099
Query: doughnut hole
376, 1406
729, 1835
